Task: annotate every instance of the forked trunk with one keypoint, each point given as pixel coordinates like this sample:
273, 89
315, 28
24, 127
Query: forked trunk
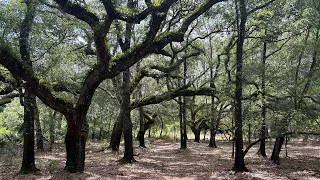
116, 133
275, 157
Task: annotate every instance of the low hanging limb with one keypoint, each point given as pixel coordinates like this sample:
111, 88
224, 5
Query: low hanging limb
283, 134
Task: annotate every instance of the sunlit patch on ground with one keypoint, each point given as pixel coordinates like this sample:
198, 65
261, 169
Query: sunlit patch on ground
163, 160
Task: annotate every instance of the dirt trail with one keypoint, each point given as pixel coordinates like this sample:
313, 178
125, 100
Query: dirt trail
163, 160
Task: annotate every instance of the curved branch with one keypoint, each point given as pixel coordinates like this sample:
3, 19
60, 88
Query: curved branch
175, 65
78, 11
172, 94
22, 71
135, 17
149, 46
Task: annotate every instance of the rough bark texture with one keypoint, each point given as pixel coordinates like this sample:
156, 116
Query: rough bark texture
29, 101
147, 122
262, 149
239, 165
75, 140
127, 124
28, 159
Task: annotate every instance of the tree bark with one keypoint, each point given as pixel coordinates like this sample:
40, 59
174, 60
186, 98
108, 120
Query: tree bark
196, 131
39, 135
183, 111
28, 160
212, 142
141, 118
29, 101
146, 126
75, 140
239, 165
117, 132
51, 129
262, 149
127, 124
275, 157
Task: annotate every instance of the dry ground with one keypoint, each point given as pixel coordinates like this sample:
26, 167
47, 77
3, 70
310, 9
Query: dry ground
163, 160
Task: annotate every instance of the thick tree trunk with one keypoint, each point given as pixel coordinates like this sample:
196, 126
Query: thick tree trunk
116, 133
197, 135
239, 165
141, 139
127, 124
75, 140
196, 131
39, 135
262, 149
28, 160
72, 141
83, 140
275, 157
128, 141
145, 126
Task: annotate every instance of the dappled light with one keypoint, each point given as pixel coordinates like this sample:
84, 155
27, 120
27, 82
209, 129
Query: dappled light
159, 89
164, 160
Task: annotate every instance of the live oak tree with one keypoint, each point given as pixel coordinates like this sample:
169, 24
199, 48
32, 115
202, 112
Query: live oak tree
108, 65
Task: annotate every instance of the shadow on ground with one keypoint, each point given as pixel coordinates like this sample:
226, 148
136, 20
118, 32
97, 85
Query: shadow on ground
163, 160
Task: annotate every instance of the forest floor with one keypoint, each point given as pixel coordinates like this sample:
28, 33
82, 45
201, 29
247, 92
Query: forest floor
163, 160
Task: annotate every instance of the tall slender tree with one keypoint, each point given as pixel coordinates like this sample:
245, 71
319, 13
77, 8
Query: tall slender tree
239, 165
29, 100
